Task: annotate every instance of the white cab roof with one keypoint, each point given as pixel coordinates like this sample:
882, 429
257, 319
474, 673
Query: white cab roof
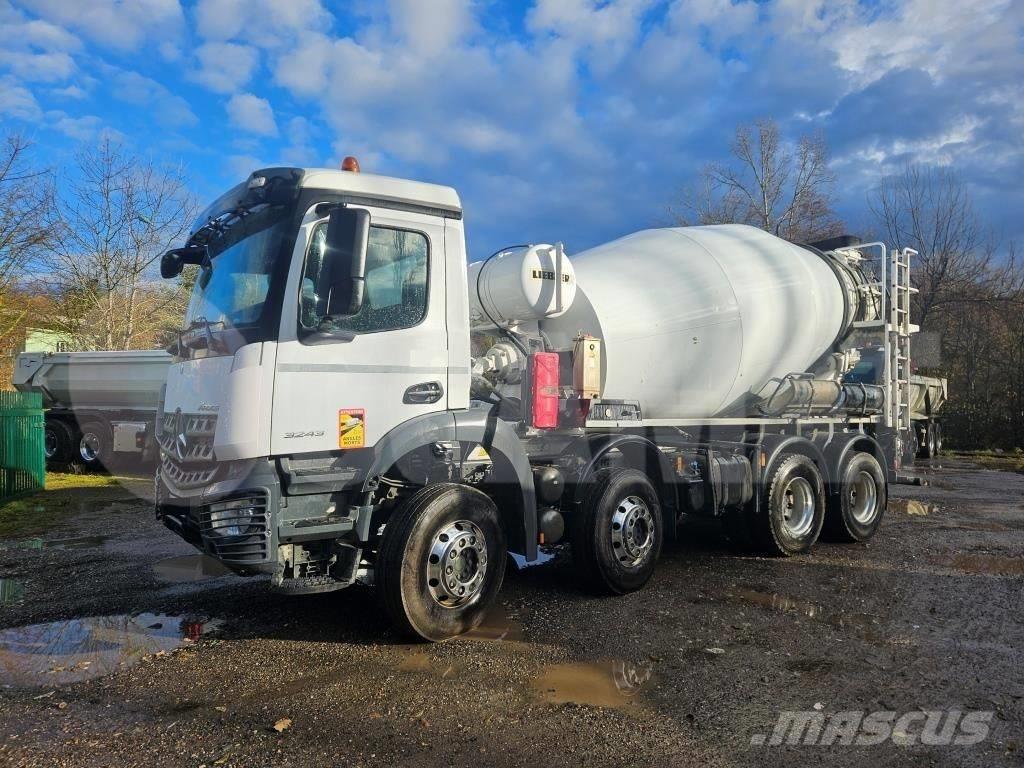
383, 187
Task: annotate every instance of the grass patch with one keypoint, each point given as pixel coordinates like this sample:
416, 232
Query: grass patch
66, 494
1011, 461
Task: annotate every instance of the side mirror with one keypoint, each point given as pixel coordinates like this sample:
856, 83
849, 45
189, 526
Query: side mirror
174, 261
348, 232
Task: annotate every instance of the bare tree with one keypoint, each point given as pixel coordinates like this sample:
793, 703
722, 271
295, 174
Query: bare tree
112, 220
24, 203
781, 189
930, 210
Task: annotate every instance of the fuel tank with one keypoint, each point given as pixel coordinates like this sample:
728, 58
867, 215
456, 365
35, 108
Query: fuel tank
695, 319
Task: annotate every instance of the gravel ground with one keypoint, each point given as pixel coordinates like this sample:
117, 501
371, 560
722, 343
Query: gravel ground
686, 672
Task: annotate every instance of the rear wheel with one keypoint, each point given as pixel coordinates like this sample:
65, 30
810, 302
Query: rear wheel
928, 444
792, 507
855, 509
58, 441
94, 445
441, 561
618, 534
938, 438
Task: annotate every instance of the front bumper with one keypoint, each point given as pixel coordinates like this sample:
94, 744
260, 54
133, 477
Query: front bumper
235, 522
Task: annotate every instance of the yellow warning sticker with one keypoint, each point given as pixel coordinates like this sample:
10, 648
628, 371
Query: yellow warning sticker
351, 428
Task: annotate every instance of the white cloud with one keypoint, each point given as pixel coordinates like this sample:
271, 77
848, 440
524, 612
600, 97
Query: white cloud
70, 92
167, 107
431, 27
83, 128
240, 166
251, 113
263, 23
35, 50
120, 24
607, 31
17, 102
43, 67
225, 67
299, 151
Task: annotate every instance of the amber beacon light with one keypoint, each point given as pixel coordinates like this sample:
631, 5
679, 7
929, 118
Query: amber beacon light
350, 164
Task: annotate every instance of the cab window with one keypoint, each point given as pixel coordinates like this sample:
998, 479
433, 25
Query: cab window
396, 282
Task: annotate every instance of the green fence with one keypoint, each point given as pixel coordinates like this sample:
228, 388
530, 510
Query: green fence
22, 458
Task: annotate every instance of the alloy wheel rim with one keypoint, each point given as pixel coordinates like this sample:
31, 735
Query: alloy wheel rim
89, 446
457, 564
798, 507
863, 498
632, 531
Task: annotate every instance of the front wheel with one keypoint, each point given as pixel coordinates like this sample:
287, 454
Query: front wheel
618, 534
441, 561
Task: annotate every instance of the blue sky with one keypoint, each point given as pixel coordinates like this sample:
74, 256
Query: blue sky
571, 120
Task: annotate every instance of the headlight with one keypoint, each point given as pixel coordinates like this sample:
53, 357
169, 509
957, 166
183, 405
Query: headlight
234, 518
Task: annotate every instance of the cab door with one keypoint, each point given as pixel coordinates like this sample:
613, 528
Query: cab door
342, 394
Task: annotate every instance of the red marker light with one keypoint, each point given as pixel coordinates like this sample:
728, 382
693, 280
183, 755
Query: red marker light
350, 164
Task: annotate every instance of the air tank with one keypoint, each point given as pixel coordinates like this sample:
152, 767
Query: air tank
695, 319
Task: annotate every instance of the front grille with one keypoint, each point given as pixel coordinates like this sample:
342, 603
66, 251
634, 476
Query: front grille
186, 448
237, 528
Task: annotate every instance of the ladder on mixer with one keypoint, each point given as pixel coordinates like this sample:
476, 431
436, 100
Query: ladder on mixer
899, 331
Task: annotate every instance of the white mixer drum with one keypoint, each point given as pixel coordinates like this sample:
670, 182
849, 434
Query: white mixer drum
695, 318
520, 284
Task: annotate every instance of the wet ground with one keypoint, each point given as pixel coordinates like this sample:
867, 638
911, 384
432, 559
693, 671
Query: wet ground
120, 646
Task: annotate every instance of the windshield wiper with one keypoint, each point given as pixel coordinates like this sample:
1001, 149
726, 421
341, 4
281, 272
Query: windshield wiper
189, 339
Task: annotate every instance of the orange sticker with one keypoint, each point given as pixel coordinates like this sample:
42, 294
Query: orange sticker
351, 428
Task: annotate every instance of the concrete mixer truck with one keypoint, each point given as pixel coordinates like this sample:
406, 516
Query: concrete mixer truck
349, 403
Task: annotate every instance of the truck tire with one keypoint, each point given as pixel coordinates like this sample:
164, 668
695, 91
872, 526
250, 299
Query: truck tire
617, 537
938, 438
93, 445
58, 442
927, 450
855, 509
792, 507
441, 561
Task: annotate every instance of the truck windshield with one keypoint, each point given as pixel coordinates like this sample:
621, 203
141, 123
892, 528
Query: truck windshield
231, 289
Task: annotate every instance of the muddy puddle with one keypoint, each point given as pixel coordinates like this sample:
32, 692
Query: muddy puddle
188, 568
74, 542
70, 651
597, 684
985, 565
10, 591
912, 507
864, 623
497, 626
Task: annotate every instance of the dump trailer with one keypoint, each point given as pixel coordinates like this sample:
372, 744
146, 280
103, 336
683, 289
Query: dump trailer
350, 403
97, 403
927, 395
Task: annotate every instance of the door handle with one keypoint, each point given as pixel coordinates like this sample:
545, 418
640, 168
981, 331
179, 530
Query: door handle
423, 394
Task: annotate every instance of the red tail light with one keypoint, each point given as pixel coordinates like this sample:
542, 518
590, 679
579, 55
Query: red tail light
544, 393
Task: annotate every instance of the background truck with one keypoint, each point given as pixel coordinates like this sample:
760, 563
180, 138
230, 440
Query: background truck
349, 403
97, 403
927, 395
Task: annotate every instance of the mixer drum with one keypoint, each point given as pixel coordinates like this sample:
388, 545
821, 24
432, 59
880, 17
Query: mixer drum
694, 319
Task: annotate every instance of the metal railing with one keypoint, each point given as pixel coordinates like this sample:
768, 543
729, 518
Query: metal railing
22, 436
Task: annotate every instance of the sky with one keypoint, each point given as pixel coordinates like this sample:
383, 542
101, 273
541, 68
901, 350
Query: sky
556, 120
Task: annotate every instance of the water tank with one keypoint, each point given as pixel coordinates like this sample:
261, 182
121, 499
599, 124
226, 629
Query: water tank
693, 319
520, 285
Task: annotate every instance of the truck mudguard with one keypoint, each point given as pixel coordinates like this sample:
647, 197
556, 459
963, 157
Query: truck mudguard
641, 454
477, 424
